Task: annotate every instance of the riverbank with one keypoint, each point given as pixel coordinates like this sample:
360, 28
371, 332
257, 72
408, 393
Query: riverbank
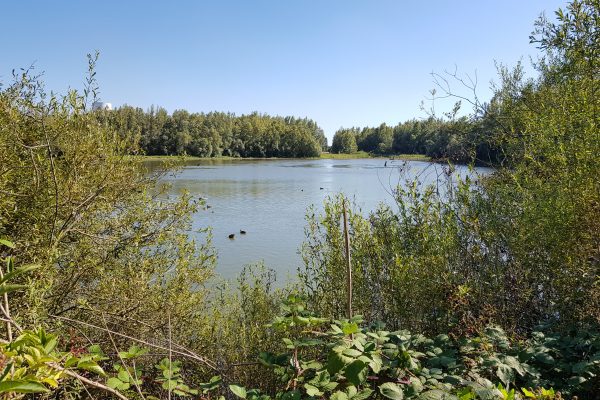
333, 156
364, 154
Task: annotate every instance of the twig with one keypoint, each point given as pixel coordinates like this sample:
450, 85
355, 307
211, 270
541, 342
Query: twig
55, 180
348, 263
123, 361
88, 381
186, 353
6, 311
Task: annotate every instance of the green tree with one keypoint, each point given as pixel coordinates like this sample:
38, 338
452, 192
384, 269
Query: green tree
344, 141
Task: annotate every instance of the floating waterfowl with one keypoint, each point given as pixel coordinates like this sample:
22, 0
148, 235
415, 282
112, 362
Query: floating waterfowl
231, 236
242, 232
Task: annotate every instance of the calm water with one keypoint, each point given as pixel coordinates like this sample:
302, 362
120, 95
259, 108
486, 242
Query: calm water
268, 199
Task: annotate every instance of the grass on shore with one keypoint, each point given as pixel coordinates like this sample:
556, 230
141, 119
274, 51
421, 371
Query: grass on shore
364, 154
332, 156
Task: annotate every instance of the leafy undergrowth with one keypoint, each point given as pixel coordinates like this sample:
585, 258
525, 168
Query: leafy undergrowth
346, 361
323, 359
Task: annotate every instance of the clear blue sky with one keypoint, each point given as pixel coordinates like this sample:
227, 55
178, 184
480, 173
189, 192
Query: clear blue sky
339, 62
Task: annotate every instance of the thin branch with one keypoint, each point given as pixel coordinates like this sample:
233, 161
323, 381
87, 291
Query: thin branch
55, 180
170, 354
123, 361
186, 353
88, 381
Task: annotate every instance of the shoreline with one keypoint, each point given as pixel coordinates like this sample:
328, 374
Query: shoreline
326, 156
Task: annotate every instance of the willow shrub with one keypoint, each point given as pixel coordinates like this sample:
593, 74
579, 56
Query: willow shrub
518, 248
113, 246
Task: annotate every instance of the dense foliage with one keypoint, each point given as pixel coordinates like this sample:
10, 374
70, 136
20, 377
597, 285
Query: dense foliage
217, 134
519, 247
460, 140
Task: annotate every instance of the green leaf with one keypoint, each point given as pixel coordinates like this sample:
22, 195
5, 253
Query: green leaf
96, 350
436, 394
391, 391
312, 390
336, 362
293, 395
113, 383
351, 391
92, 367
18, 271
349, 328
544, 358
7, 243
238, 391
123, 375
339, 395
50, 344
528, 393
579, 367
357, 372
213, 384
5, 288
376, 363
363, 394
22, 386
352, 353
505, 373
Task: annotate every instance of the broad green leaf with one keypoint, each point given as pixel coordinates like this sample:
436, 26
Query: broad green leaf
357, 372
91, 366
352, 353
544, 358
337, 362
376, 363
579, 367
312, 390
506, 374
213, 384
113, 382
349, 328
363, 394
238, 391
22, 386
391, 391
50, 344
576, 380
339, 395
123, 375
293, 395
71, 361
436, 394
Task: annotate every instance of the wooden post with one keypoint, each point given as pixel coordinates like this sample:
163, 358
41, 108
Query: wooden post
348, 263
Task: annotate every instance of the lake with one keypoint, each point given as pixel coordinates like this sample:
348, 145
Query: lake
268, 199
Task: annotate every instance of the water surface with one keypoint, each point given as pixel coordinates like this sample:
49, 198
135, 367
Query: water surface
268, 199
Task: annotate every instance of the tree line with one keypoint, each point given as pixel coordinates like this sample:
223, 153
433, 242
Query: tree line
216, 134
461, 140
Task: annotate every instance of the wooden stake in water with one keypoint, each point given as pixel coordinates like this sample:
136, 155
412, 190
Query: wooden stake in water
348, 264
